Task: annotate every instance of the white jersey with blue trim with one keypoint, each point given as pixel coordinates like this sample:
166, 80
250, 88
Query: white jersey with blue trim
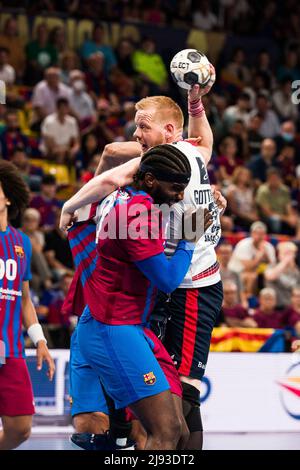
204, 269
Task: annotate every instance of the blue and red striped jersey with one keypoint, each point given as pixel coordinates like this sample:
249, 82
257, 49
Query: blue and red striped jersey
15, 258
106, 278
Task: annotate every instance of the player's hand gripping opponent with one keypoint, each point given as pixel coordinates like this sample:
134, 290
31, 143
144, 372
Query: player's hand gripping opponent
195, 223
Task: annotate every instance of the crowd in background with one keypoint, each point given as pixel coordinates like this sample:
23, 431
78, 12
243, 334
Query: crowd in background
64, 106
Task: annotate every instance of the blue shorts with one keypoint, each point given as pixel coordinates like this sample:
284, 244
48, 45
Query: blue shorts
122, 356
86, 392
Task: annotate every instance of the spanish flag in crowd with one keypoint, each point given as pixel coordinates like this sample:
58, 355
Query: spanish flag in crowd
247, 340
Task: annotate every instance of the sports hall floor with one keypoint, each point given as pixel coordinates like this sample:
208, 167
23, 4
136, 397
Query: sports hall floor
42, 440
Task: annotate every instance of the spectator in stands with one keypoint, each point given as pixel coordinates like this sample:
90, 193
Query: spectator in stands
283, 103
292, 314
240, 197
258, 86
11, 40
31, 174
60, 134
69, 61
58, 40
153, 13
96, 44
238, 111
150, 64
46, 203
132, 11
12, 137
41, 274
47, 92
259, 164
274, 203
267, 316
40, 55
81, 104
288, 136
124, 54
89, 173
290, 69
270, 126
254, 137
57, 251
57, 324
203, 17
286, 164
227, 161
239, 132
7, 72
285, 274
236, 69
264, 66
235, 314
224, 253
251, 256
89, 148
95, 78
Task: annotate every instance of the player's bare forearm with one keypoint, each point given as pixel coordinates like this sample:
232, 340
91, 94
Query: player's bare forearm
200, 127
116, 153
102, 185
198, 123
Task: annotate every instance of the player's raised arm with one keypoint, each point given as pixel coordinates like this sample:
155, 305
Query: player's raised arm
198, 122
97, 188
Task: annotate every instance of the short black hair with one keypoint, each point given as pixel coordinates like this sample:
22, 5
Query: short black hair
5, 49
273, 171
18, 148
49, 180
14, 188
167, 158
61, 101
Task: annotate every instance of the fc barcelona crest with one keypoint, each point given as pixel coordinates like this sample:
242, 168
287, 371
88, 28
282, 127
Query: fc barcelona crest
19, 251
149, 378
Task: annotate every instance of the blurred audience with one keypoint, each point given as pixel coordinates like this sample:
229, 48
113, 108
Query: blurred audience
41, 274
234, 313
266, 315
284, 275
57, 251
251, 256
293, 311
46, 94
46, 203
274, 203
60, 134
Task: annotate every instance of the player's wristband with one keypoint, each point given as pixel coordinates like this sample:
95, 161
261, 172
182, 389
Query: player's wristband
35, 333
196, 108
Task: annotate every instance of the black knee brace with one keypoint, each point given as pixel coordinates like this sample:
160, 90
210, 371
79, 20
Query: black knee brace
191, 407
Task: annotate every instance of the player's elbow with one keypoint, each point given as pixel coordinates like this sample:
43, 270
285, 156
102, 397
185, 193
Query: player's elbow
110, 150
168, 286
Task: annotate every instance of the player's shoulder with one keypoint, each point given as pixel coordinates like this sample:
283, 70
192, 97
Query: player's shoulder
190, 148
134, 196
25, 238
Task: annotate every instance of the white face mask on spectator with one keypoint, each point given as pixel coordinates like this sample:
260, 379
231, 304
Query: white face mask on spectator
78, 85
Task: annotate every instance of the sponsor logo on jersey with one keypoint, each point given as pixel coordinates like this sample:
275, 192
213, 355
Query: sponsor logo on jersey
19, 251
149, 378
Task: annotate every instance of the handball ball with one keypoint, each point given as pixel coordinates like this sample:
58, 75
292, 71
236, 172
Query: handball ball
189, 67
